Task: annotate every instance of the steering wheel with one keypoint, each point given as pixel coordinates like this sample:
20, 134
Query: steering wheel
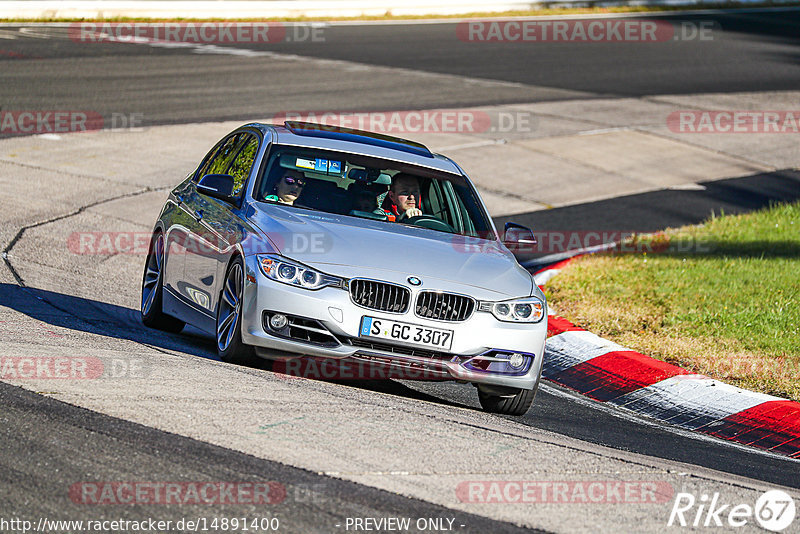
428, 221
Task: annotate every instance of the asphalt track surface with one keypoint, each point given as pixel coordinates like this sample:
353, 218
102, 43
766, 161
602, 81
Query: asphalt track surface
555, 409
756, 52
44, 69
47, 444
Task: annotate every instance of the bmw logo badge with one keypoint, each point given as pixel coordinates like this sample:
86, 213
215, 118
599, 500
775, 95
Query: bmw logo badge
414, 281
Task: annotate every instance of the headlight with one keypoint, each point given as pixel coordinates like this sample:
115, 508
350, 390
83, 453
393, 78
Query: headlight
289, 272
525, 310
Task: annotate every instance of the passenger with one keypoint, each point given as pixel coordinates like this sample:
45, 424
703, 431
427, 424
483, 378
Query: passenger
288, 188
367, 201
403, 199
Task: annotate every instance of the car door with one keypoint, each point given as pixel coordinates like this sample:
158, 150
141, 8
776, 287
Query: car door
180, 222
217, 226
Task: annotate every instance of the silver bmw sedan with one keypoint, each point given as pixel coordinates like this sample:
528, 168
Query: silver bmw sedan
306, 242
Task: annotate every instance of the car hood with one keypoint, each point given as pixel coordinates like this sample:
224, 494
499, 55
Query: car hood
350, 246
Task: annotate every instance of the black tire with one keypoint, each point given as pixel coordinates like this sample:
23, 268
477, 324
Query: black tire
230, 347
151, 309
516, 404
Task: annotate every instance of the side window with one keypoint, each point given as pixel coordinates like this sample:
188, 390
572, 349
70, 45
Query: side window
435, 201
440, 202
206, 162
223, 156
243, 162
468, 213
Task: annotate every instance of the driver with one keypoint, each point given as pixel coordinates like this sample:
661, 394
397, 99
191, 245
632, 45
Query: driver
403, 197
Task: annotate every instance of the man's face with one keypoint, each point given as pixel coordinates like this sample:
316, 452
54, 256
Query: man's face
405, 194
290, 186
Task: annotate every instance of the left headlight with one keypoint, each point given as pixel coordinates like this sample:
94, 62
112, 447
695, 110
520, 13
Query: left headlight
524, 310
289, 272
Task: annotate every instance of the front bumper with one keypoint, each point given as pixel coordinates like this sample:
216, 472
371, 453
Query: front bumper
480, 346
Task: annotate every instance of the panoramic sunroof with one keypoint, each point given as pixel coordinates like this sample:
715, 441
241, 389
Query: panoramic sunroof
357, 136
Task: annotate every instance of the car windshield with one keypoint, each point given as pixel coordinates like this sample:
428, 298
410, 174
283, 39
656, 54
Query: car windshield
370, 188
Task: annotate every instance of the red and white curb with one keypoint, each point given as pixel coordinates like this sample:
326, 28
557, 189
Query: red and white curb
608, 372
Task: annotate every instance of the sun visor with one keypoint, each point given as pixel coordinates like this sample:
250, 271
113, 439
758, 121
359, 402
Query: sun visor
328, 167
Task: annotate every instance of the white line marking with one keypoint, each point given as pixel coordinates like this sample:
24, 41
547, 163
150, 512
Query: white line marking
33, 32
568, 349
560, 256
350, 66
476, 144
691, 401
545, 276
628, 415
687, 187
605, 130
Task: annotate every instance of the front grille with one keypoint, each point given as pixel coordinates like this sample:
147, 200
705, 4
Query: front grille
444, 306
380, 296
397, 349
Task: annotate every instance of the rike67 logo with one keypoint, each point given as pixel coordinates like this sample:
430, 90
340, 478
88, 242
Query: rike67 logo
774, 511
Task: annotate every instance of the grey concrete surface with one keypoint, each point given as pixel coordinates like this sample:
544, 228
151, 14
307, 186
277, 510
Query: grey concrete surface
89, 447
581, 150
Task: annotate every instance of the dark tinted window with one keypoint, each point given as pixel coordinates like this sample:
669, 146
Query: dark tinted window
243, 162
224, 156
206, 162
358, 186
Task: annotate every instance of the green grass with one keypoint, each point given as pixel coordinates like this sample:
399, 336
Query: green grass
545, 10
721, 298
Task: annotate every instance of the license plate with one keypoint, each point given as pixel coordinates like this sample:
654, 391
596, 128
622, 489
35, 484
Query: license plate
411, 334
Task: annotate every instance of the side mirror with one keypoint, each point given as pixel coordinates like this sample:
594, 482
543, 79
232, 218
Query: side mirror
216, 185
518, 238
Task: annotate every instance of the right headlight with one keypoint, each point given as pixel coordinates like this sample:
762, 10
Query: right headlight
524, 310
293, 273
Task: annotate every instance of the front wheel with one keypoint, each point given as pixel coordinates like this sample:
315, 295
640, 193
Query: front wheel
152, 290
230, 347
512, 402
